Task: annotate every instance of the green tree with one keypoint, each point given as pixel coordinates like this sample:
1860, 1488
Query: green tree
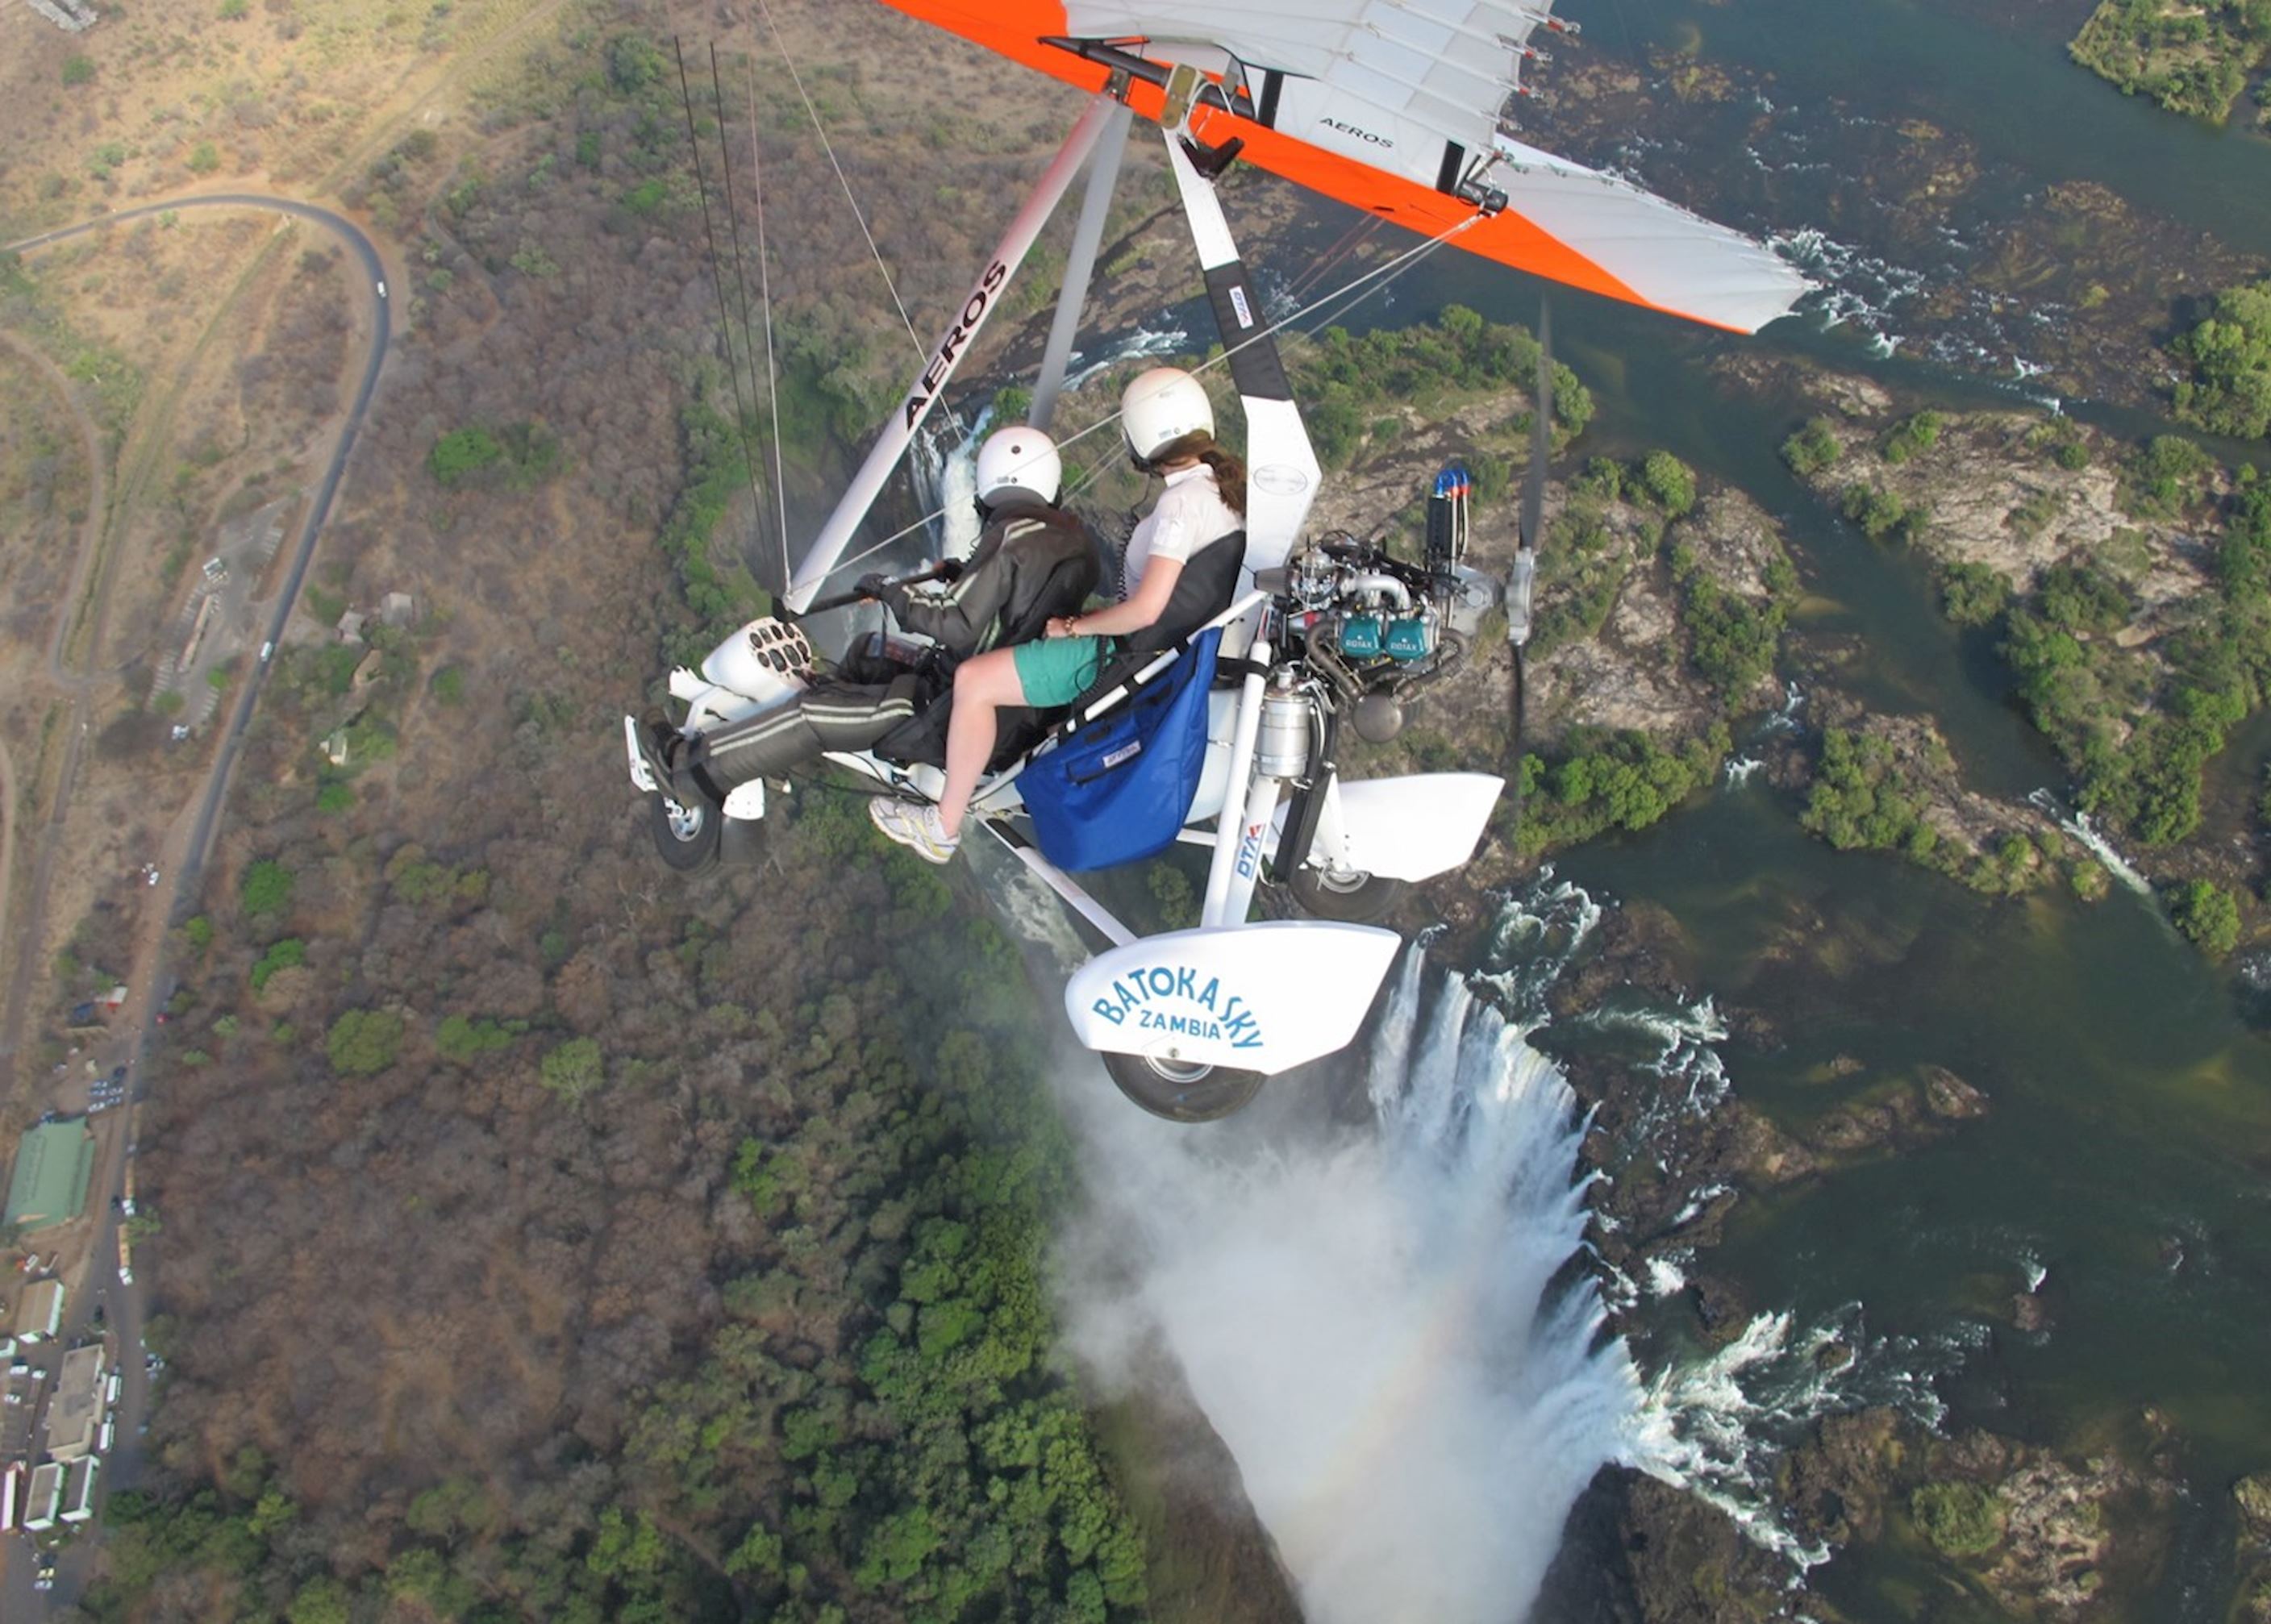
1958, 1518
2208, 915
364, 1041
78, 70
2230, 390
634, 64
283, 955
461, 454
205, 158
575, 1068
1812, 447
1911, 438
1860, 801
1668, 482
1880, 513
266, 889
1973, 594
462, 1040
321, 1600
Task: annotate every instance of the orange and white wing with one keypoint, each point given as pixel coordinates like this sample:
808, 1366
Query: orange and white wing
1395, 107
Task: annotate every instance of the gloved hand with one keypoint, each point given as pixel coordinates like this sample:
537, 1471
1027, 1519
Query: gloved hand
949, 569
871, 585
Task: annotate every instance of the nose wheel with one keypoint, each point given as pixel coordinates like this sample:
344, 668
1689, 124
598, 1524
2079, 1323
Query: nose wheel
1180, 1091
685, 836
1349, 897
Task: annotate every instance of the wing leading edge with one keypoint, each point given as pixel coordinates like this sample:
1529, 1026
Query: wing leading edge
1391, 107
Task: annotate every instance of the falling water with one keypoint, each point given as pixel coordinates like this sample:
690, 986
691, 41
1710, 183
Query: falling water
2078, 827
1373, 1320
1379, 1321
943, 466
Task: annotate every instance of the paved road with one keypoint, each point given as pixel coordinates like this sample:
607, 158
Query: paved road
123, 1305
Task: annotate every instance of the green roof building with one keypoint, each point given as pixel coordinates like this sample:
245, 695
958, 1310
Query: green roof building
53, 1167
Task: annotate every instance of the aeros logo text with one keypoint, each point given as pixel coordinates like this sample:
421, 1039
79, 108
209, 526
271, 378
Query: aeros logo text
973, 317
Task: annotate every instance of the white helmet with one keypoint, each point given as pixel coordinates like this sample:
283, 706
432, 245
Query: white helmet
1160, 407
1018, 462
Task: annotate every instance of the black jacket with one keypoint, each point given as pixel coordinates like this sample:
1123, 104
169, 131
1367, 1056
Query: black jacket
1033, 563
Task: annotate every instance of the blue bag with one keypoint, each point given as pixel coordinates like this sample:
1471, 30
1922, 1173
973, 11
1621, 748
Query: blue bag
1117, 790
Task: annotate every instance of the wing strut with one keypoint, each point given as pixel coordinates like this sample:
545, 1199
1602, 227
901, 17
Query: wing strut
1080, 265
985, 297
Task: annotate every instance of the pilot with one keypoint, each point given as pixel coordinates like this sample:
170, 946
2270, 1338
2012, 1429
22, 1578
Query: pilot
1034, 562
1181, 571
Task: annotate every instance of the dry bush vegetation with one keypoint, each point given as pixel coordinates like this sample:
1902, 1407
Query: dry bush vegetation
249, 414
543, 1236
187, 91
43, 485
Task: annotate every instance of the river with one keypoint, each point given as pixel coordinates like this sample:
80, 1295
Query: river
2123, 1165
2124, 1161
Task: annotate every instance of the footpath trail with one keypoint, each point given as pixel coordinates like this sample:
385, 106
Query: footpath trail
187, 845
22, 937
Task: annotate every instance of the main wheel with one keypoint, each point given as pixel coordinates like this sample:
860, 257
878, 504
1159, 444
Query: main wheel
685, 837
1351, 899
1180, 1092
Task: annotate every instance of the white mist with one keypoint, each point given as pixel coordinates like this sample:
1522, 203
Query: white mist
1369, 1317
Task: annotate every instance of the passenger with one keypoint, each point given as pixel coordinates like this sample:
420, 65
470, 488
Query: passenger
1181, 571
1033, 561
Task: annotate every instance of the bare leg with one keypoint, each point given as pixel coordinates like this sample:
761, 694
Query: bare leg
982, 687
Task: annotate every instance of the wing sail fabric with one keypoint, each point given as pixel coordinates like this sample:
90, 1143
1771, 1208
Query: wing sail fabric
1389, 106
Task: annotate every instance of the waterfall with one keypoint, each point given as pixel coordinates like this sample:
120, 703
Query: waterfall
2078, 826
942, 465
1377, 1321
1371, 1319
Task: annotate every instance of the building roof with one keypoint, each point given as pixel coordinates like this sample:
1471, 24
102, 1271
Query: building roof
75, 1415
46, 1491
53, 1165
40, 1309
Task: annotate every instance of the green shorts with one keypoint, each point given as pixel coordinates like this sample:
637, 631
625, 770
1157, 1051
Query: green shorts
1055, 671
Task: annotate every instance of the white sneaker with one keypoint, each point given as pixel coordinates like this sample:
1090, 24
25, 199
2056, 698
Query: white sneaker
916, 828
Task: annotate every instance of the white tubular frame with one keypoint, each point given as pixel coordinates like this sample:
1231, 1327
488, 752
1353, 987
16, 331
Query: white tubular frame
1282, 472
1228, 829
985, 297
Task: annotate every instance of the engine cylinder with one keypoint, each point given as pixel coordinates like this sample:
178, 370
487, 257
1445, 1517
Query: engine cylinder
1281, 749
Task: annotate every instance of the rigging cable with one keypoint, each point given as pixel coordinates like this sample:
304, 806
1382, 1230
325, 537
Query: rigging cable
781, 45
765, 302
1390, 269
717, 276
741, 288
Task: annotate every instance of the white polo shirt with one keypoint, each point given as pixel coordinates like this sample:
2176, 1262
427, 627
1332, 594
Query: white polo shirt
1189, 513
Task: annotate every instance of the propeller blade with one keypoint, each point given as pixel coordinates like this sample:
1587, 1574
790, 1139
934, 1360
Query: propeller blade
1514, 777
1521, 578
1541, 435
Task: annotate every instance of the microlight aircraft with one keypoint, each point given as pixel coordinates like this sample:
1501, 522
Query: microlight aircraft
1399, 109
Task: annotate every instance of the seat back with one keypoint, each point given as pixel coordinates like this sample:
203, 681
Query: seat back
1207, 586
1065, 587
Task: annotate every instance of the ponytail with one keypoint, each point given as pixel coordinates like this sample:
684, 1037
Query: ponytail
1199, 446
